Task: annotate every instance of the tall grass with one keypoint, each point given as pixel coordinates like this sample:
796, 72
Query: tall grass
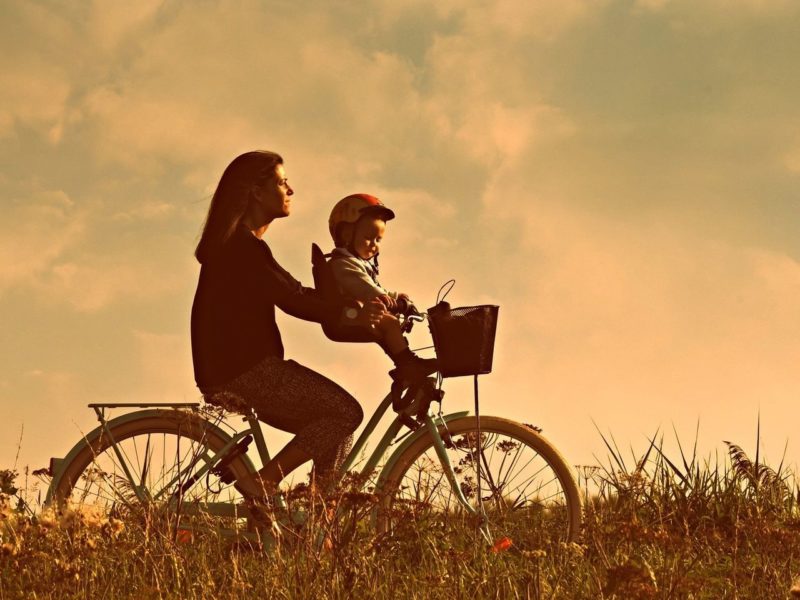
654, 527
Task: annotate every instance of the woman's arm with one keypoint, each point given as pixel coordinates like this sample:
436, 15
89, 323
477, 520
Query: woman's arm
288, 294
294, 299
305, 303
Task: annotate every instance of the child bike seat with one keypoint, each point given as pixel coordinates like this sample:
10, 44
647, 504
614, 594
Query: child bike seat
326, 287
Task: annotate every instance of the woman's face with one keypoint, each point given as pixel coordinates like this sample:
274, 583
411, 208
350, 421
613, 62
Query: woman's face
273, 199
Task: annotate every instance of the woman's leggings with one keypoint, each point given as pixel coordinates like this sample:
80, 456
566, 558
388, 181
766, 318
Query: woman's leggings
291, 397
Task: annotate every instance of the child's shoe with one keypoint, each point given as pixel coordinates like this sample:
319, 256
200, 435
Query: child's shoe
411, 369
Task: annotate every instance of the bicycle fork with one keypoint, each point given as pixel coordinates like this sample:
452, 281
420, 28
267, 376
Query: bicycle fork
444, 460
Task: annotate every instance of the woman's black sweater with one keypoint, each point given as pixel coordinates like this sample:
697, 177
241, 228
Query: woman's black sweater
233, 314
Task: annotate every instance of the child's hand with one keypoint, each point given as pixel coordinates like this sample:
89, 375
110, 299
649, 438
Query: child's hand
389, 302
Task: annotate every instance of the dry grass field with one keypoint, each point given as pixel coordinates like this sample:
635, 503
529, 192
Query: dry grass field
654, 527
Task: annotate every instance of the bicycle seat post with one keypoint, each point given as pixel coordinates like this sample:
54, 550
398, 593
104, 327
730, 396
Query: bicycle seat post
258, 435
263, 452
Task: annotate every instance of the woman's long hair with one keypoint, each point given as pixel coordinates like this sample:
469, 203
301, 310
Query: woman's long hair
231, 198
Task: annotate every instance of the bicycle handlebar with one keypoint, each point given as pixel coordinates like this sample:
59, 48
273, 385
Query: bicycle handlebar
412, 315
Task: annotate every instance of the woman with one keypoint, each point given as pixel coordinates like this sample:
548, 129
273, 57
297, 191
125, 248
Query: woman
236, 345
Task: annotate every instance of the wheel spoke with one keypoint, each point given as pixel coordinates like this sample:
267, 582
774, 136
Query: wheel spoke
517, 454
161, 454
143, 467
523, 485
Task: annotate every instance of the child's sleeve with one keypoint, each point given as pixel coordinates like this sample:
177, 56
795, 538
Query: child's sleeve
353, 281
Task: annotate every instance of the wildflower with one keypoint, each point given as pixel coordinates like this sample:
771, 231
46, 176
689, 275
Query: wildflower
573, 548
113, 527
633, 573
535, 554
47, 519
69, 518
6, 510
502, 544
84, 516
7, 477
9, 549
184, 536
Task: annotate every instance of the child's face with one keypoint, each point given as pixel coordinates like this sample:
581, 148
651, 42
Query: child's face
368, 237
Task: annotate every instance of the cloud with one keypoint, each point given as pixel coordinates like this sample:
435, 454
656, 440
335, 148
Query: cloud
165, 368
710, 15
97, 282
546, 19
654, 5
34, 87
80, 255
607, 175
146, 131
149, 107
36, 231
112, 24
57, 387
180, 103
498, 133
792, 160
726, 6
610, 310
53, 54
146, 211
34, 94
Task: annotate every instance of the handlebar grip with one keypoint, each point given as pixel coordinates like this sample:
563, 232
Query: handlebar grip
406, 307
402, 305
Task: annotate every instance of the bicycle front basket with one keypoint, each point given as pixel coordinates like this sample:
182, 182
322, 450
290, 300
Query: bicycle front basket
463, 338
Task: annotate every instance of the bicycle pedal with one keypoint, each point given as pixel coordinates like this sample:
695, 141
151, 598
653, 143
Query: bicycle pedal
406, 420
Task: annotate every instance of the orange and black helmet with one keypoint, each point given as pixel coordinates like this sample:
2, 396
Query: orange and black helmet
351, 208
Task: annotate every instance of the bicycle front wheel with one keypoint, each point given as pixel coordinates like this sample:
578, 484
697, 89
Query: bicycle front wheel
150, 466
526, 496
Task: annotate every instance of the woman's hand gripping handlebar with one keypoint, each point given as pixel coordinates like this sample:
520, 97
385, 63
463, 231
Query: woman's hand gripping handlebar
370, 314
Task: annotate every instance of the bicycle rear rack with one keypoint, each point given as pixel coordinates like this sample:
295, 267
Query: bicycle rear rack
141, 404
100, 407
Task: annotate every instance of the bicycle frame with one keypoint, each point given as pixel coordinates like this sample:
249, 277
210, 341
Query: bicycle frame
432, 424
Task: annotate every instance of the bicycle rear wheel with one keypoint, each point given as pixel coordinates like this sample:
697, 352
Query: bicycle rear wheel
151, 470
527, 490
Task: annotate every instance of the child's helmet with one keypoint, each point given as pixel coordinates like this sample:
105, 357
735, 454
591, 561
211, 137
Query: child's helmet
351, 208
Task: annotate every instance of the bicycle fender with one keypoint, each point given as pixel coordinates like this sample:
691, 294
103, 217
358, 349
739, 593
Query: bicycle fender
422, 431
59, 464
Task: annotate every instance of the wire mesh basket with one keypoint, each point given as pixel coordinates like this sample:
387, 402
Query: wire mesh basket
463, 338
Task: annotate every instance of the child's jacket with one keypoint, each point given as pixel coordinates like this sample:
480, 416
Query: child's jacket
356, 277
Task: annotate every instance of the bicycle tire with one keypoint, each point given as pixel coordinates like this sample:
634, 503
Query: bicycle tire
416, 493
191, 436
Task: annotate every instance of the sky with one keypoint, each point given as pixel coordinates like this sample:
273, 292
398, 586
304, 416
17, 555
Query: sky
621, 177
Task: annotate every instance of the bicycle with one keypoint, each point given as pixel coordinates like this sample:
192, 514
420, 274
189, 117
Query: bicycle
488, 474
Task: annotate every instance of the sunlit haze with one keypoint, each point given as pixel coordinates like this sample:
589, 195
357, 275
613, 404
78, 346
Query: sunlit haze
621, 177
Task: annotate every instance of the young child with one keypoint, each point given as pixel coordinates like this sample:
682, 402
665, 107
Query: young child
357, 225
